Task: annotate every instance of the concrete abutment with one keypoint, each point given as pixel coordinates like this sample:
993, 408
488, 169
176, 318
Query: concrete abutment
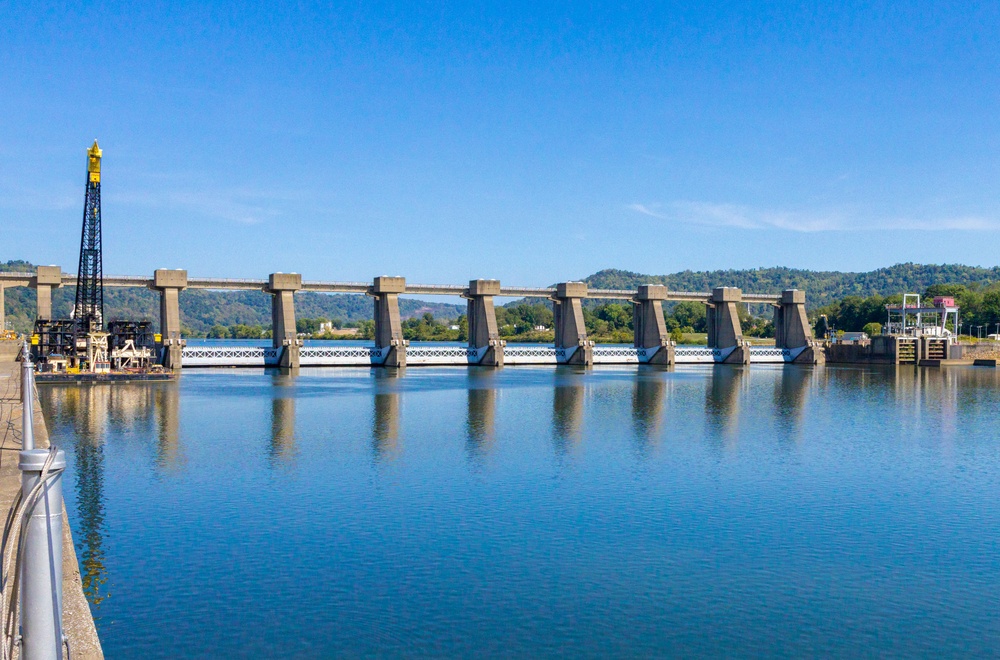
792, 329
170, 283
571, 333
388, 325
46, 278
284, 336
482, 317
723, 324
650, 327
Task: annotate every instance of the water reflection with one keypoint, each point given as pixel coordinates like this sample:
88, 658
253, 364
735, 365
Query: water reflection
567, 413
282, 447
648, 400
480, 420
790, 395
167, 402
722, 402
385, 421
86, 408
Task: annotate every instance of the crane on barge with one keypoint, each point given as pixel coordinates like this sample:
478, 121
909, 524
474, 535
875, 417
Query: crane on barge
80, 348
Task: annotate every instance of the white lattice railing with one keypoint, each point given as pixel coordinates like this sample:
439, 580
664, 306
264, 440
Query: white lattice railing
770, 354
443, 355
262, 356
345, 356
529, 355
696, 354
619, 355
229, 356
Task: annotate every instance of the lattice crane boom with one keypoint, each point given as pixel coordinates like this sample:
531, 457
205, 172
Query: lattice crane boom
89, 307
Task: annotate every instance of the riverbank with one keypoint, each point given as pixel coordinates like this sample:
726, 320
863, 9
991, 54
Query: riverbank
77, 620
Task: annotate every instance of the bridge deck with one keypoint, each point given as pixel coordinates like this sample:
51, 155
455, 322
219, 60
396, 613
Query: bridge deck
238, 284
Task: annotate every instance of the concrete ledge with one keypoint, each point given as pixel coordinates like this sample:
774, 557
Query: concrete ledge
652, 292
284, 282
484, 287
49, 275
571, 290
170, 279
947, 363
793, 297
386, 284
724, 294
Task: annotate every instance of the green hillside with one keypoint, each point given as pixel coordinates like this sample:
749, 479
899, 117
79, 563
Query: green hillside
821, 287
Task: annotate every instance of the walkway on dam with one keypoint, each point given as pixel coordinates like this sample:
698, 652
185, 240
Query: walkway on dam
77, 621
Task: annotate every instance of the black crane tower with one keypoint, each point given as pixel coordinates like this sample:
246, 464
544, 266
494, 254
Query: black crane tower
89, 308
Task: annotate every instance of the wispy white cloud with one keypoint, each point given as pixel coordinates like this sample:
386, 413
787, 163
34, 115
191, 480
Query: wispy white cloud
712, 214
239, 205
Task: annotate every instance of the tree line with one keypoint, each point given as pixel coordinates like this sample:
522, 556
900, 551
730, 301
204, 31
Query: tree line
533, 322
978, 306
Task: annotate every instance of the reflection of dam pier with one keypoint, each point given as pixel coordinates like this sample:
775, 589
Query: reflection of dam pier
651, 340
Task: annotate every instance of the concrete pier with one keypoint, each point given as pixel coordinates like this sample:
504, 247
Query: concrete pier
282, 287
170, 283
650, 327
3, 316
78, 624
571, 333
792, 329
46, 278
482, 317
388, 325
723, 324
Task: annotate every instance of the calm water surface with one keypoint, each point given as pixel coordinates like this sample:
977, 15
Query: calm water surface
704, 511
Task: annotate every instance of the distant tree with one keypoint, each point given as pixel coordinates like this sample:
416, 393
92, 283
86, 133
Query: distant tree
690, 314
822, 327
309, 326
218, 332
676, 336
618, 317
872, 329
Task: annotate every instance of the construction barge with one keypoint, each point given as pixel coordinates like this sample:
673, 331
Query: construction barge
79, 349
64, 353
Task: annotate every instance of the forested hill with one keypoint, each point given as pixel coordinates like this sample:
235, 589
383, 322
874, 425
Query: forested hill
201, 309
821, 287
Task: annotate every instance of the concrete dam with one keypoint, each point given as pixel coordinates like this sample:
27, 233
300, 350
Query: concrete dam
794, 342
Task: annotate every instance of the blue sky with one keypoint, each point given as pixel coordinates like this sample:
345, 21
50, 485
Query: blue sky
531, 143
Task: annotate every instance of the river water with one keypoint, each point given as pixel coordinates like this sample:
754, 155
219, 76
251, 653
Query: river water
700, 511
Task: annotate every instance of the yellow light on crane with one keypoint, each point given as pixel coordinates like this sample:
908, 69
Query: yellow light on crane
94, 163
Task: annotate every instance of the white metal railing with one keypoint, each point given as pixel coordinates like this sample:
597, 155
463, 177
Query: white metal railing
263, 356
529, 354
443, 355
619, 355
230, 356
346, 356
765, 354
697, 354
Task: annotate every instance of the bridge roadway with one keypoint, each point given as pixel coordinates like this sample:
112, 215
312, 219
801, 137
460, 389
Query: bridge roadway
239, 284
652, 344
